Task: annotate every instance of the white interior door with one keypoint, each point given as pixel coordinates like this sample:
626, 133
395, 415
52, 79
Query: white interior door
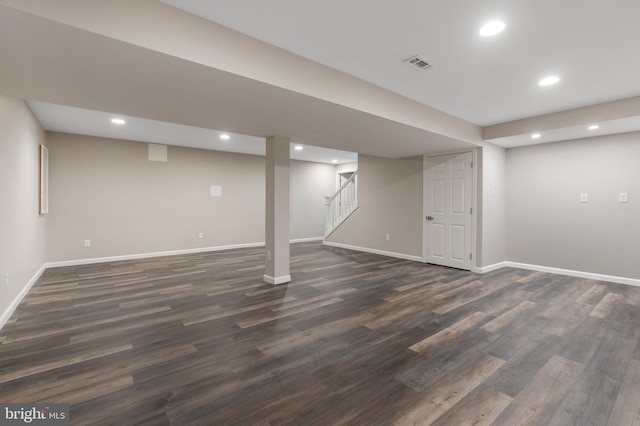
448, 195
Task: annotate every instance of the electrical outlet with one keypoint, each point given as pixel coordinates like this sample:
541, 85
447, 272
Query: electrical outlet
7, 279
388, 237
87, 243
268, 254
622, 197
201, 235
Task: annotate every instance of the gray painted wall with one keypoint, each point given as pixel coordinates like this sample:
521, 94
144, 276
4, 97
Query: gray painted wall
494, 204
106, 191
22, 229
548, 225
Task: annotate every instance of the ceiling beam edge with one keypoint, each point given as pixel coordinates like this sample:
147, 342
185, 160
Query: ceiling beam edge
144, 23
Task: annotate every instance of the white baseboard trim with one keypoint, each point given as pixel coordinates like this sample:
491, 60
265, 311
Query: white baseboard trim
149, 255
374, 251
500, 265
16, 301
572, 273
79, 262
559, 271
277, 280
305, 240
490, 268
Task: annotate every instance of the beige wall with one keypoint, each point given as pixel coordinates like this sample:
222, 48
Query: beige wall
107, 191
22, 229
547, 223
390, 202
310, 183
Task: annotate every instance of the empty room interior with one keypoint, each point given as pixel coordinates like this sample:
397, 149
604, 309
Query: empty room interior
320, 213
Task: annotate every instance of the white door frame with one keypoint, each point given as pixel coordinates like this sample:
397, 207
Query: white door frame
474, 203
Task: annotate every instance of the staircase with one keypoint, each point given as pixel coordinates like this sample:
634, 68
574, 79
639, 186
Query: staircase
341, 204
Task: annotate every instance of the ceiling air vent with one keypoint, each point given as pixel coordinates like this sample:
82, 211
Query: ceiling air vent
418, 62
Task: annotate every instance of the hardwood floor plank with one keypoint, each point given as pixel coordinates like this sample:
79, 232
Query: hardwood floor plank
14, 374
524, 358
223, 313
563, 297
433, 276
82, 383
624, 319
496, 324
612, 355
391, 315
606, 305
78, 394
449, 390
289, 343
538, 402
449, 334
294, 303
355, 339
469, 297
580, 406
633, 299
593, 295
627, 407
79, 326
459, 295
568, 320
533, 277
479, 408
584, 341
435, 287
505, 302
288, 312
423, 371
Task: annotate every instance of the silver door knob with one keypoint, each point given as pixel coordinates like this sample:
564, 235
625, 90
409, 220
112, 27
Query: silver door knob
429, 218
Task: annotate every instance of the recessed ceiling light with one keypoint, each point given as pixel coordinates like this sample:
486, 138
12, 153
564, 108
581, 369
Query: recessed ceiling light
594, 127
491, 28
117, 121
548, 81
225, 137
298, 148
535, 136
334, 161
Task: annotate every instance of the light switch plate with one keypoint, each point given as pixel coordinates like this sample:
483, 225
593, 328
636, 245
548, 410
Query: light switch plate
584, 197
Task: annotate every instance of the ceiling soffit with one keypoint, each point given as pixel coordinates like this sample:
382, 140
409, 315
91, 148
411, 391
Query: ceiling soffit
213, 71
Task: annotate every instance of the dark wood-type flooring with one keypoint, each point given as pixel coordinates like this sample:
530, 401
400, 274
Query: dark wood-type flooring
355, 339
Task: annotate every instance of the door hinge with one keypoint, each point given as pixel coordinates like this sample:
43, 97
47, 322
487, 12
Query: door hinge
471, 210
470, 256
472, 164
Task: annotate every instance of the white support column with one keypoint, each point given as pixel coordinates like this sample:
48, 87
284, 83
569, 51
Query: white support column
277, 211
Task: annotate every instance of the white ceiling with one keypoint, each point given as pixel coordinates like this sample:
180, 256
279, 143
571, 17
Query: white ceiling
180, 78
591, 45
59, 118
